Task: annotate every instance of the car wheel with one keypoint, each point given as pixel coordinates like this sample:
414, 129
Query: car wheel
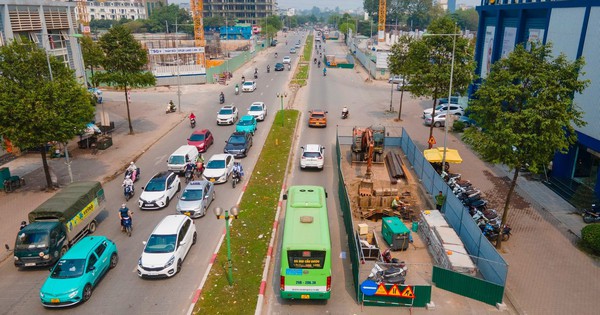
168, 201
179, 264
178, 187
196, 234
63, 251
92, 227
114, 259
436, 124
87, 292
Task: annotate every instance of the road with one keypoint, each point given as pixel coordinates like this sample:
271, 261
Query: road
122, 291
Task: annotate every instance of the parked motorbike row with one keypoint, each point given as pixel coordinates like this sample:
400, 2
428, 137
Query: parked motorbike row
486, 218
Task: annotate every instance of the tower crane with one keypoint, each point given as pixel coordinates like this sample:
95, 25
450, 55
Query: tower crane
381, 21
196, 8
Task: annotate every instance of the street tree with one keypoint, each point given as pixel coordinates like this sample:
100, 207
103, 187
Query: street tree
525, 111
166, 16
92, 56
429, 63
39, 105
347, 26
126, 67
398, 64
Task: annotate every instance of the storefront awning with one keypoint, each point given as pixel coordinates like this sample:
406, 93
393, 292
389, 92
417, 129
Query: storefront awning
435, 155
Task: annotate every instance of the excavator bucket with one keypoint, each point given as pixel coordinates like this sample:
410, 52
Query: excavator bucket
365, 188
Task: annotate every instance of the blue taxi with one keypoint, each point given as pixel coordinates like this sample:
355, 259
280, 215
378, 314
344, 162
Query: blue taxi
246, 124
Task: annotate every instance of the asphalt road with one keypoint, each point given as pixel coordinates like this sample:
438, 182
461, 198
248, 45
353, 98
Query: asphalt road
122, 291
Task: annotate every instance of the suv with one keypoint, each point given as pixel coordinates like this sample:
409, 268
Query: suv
238, 144
312, 156
453, 109
317, 118
258, 110
167, 247
227, 115
159, 191
196, 198
74, 276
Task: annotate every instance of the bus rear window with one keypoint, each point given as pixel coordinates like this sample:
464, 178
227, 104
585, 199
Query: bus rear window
306, 259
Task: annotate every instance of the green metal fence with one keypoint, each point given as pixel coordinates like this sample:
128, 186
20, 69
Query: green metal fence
475, 288
232, 64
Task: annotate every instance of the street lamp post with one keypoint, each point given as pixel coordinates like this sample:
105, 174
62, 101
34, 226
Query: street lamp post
392, 95
234, 212
449, 92
281, 96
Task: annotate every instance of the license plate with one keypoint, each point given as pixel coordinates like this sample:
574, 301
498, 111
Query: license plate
212, 180
305, 297
29, 264
187, 213
147, 205
54, 301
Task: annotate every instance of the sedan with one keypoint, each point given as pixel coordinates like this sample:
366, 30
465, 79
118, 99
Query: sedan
196, 198
287, 59
238, 144
293, 51
159, 191
249, 86
201, 139
218, 168
258, 110
74, 276
246, 124
395, 79
279, 67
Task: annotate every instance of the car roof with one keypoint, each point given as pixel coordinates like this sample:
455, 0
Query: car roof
170, 224
200, 132
196, 185
228, 107
163, 175
82, 248
279, 64
220, 156
238, 133
312, 148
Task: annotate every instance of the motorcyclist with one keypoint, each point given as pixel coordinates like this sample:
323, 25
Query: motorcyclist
345, 112
222, 97
132, 170
189, 166
124, 212
319, 64
237, 88
315, 60
171, 105
324, 71
268, 68
275, 55
238, 170
23, 225
289, 66
255, 70
128, 182
243, 79
192, 116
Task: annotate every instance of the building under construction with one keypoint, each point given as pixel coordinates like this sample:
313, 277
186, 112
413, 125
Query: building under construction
244, 11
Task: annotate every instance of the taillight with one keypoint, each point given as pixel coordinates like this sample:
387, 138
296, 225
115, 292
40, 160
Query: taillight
328, 283
320, 157
282, 283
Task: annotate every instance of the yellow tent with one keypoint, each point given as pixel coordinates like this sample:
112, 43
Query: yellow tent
435, 155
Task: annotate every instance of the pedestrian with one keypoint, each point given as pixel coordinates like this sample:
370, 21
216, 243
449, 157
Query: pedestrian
439, 200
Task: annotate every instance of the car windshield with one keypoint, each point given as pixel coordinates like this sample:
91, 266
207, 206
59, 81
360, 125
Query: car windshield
215, 164
160, 244
237, 140
197, 137
245, 123
256, 108
157, 184
176, 159
226, 111
247, 83
32, 239
191, 195
311, 154
68, 268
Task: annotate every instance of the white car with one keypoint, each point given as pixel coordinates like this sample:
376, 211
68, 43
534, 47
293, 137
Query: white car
167, 247
159, 191
227, 115
396, 79
287, 59
218, 168
453, 109
258, 110
438, 121
248, 86
313, 155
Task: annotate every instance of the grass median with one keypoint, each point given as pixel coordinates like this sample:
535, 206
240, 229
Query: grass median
308, 48
250, 234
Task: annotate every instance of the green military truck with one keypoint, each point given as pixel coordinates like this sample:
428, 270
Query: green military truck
58, 223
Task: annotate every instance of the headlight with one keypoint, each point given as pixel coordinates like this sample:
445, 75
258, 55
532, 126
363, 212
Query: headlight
41, 254
170, 262
46, 257
140, 261
41, 294
73, 294
16, 258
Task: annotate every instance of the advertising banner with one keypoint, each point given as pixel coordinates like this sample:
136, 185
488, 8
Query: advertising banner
488, 49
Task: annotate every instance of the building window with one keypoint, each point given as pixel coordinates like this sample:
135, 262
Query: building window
586, 166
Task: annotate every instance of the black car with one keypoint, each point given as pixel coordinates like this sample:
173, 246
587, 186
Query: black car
239, 144
279, 67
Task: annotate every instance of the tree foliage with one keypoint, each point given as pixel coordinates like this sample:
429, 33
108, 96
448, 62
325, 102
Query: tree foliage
126, 66
415, 13
92, 56
169, 14
398, 64
466, 19
36, 108
525, 110
346, 26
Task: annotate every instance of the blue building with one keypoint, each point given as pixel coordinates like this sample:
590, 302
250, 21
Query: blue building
573, 27
239, 31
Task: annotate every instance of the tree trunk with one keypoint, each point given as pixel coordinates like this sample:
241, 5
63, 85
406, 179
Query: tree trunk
128, 114
431, 127
513, 184
49, 184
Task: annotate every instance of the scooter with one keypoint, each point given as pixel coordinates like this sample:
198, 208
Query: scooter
128, 191
193, 122
171, 108
237, 91
345, 114
127, 225
189, 175
492, 233
133, 175
591, 216
222, 99
392, 275
235, 179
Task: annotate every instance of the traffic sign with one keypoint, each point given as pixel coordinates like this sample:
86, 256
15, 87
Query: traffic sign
408, 293
394, 291
381, 290
431, 140
368, 287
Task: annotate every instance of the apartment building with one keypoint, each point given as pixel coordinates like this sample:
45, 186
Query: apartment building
245, 11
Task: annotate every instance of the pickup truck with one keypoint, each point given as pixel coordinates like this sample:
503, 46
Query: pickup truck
58, 223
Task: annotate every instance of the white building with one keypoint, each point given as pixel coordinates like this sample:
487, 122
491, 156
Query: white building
116, 10
291, 12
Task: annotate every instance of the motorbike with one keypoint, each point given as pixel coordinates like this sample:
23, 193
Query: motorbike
235, 179
128, 191
222, 99
133, 175
193, 122
171, 108
268, 69
255, 75
387, 258
237, 91
127, 225
289, 67
324, 73
189, 175
319, 65
492, 233
345, 114
591, 216
392, 275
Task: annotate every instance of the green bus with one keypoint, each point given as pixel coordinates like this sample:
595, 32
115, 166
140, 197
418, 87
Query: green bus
306, 247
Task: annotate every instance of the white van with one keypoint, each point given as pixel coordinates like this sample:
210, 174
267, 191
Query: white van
181, 156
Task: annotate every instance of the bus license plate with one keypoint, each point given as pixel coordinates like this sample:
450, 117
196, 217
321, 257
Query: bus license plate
54, 301
305, 297
187, 213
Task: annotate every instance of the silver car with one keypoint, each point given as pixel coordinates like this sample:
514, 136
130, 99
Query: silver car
196, 198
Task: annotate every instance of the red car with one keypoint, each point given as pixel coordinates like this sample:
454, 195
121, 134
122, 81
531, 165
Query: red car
201, 139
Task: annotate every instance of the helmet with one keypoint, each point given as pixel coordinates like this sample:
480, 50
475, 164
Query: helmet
131, 163
23, 223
